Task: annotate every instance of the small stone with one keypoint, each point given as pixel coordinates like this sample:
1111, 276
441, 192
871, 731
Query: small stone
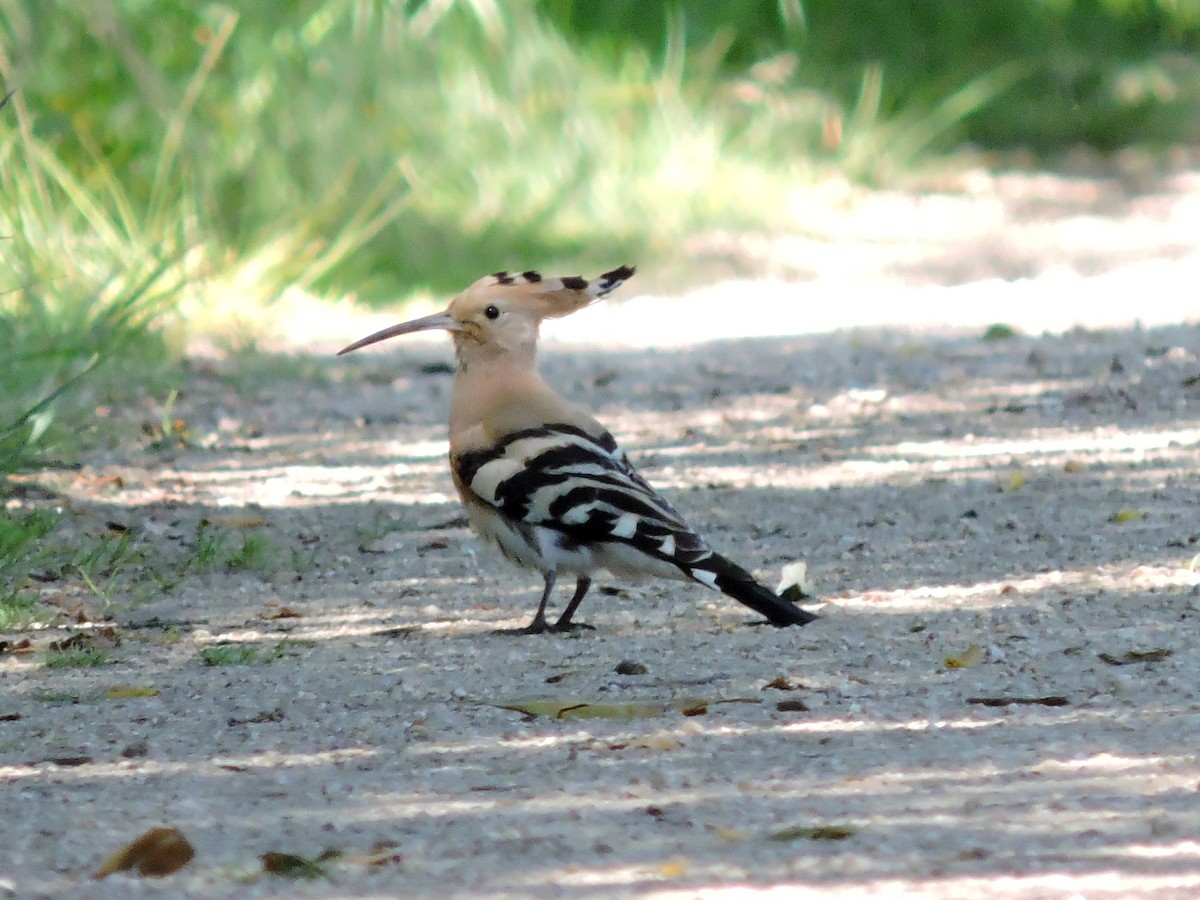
792, 706
137, 750
1161, 826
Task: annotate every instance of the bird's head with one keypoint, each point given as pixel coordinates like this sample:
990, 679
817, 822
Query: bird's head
500, 313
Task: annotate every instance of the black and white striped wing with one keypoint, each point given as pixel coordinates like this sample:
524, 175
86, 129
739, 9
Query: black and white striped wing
583, 486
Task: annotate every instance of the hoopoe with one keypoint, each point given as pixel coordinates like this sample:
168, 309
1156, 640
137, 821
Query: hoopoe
541, 478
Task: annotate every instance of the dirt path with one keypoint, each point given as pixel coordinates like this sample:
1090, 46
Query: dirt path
1002, 696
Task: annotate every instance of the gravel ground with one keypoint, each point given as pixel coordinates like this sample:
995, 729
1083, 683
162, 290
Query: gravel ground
1002, 697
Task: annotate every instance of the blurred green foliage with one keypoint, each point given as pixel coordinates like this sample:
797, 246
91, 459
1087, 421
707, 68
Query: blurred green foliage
439, 130
161, 159
1102, 73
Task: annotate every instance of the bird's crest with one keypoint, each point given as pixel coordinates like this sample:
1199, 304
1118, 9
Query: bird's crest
547, 297
527, 294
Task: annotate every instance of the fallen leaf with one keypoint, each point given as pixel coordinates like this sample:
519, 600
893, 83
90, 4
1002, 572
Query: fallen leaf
1072, 466
292, 865
158, 852
812, 833
284, 612
234, 521
555, 679
271, 715
781, 683
972, 656
128, 691
1156, 655
69, 761
99, 639
731, 834
791, 706
1050, 700
22, 646
1136, 656
672, 869
1014, 481
1128, 514
58, 697
558, 709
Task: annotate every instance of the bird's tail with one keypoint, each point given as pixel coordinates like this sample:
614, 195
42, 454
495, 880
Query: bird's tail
740, 585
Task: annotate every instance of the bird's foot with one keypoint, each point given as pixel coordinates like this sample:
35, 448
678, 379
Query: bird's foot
570, 627
534, 627
541, 626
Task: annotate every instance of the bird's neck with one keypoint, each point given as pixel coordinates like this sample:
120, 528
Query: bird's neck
497, 393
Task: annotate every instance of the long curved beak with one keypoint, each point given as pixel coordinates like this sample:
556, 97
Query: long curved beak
426, 323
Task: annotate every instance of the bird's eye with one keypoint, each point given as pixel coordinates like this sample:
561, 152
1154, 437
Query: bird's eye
492, 312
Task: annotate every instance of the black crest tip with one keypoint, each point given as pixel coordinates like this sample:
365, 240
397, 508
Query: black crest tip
622, 273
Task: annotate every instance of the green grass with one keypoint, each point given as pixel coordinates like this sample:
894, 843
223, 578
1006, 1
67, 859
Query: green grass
79, 295
210, 549
254, 555
248, 654
76, 658
18, 610
216, 548
19, 536
229, 655
22, 549
115, 564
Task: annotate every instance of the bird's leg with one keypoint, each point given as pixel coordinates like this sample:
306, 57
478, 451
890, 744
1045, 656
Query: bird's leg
539, 624
564, 621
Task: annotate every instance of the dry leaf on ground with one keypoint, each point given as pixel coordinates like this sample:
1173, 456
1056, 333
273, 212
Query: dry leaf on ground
158, 852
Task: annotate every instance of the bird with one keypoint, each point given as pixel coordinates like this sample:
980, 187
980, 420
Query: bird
542, 479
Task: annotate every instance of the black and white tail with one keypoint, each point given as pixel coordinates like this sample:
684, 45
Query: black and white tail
737, 583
